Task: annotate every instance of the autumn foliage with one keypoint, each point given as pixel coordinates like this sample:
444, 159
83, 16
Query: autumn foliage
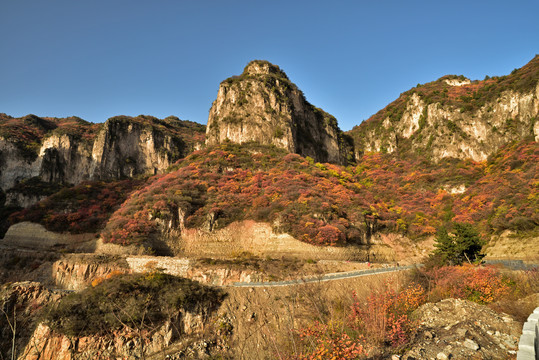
507, 195
99, 280
479, 284
329, 341
384, 319
78, 209
327, 204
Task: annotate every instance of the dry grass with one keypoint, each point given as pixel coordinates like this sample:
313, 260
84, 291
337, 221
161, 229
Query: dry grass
264, 319
525, 295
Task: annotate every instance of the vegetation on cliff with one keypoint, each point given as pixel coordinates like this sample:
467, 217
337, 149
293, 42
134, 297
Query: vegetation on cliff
140, 301
321, 204
187, 133
467, 98
263, 105
83, 208
326, 204
28, 132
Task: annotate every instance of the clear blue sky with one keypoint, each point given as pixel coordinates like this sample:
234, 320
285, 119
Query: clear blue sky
100, 58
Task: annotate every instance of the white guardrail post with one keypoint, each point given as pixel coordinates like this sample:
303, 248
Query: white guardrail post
528, 346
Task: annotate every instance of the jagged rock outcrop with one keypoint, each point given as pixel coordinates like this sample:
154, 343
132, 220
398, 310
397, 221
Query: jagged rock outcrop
77, 273
264, 106
65, 159
71, 150
454, 117
182, 339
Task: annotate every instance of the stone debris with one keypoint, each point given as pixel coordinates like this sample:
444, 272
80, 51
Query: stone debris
442, 356
470, 344
461, 329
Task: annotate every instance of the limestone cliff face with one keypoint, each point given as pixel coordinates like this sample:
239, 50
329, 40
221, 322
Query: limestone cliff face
454, 117
33, 147
125, 148
65, 159
14, 166
262, 105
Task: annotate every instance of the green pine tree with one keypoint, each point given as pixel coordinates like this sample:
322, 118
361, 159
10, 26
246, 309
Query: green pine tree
463, 244
468, 242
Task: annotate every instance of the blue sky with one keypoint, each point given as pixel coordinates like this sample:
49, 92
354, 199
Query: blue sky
96, 59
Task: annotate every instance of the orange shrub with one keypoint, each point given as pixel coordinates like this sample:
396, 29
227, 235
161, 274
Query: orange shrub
483, 284
113, 273
385, 317
329, 341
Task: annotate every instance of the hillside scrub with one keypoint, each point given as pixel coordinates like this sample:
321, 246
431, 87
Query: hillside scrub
82, 208
141, 301
321, 204
507, 196
325, 204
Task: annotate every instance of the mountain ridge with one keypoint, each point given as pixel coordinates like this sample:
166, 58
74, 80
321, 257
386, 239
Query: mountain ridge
407, 190
456, 117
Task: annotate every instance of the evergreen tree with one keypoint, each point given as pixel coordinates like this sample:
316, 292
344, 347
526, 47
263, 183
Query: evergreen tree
463, 244
445, 247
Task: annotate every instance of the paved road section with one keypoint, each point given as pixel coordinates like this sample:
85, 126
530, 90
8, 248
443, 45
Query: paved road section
327, 277
514, 264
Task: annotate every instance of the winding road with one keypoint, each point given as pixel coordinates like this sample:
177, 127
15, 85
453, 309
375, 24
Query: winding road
327, 277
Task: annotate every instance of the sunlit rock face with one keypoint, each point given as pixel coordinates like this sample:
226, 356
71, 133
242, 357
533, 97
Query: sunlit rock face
263, 106
454, 117
46, 148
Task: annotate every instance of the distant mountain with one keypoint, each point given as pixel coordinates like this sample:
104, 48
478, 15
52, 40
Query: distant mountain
456, 117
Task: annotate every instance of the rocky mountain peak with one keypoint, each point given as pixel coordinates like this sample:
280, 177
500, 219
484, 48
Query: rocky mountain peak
262, 105
263, 67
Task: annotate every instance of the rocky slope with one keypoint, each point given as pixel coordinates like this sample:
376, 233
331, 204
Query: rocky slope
263, 105
71, 150
461, 329
456, 117
21, 301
